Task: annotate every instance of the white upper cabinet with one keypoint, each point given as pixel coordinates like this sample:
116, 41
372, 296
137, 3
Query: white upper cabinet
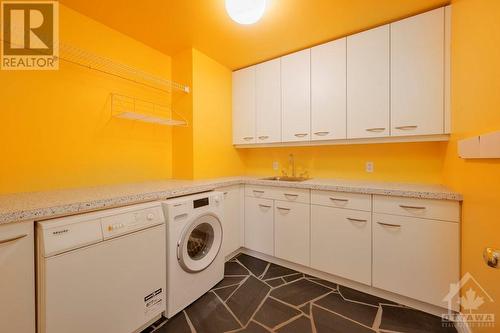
390, 81
368, 83
417, 74
268, 101
296, 96
328, 91
244, 106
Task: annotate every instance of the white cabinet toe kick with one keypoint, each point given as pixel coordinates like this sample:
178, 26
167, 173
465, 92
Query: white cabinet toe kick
406, 248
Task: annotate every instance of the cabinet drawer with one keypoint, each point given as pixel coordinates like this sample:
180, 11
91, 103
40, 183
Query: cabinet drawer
423, 208
258, 191
292, 195
279, 193
342, 200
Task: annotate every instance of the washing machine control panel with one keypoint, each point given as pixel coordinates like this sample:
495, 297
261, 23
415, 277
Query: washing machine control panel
201, 202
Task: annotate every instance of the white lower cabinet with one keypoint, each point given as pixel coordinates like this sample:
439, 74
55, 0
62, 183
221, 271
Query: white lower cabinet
291, 231
232, 223
259, 225
341, 242
407, 246
415, 257
17, 276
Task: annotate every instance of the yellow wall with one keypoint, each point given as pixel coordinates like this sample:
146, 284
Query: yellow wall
476, 110
204, 149
395, 162
182, 137
56, 128
213, 152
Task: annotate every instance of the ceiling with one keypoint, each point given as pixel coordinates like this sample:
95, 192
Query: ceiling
288, 25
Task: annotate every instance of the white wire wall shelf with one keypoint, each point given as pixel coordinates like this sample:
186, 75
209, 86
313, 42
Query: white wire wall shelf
131, 108
87, 59
78, 56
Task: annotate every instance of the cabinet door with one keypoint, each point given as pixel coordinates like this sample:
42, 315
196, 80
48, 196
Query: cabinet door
259, 225
415, 257
268, 94
231, 223
328, 91
417, 74
17, 274
291, 231
341, 242
368, 84
244, 106
296, 96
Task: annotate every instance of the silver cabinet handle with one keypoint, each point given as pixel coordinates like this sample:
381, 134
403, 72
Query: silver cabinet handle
337, 199
12, 239
321, 133
412, 207
264, 206
376, 129
263, 137
291, 195
390, 225
301, 135
248, 138
356, 220
283, 208
258, 191
411, 127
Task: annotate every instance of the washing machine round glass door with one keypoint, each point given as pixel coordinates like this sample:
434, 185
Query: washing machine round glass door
200, 243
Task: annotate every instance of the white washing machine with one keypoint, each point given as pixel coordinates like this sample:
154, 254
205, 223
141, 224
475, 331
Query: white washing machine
194, 237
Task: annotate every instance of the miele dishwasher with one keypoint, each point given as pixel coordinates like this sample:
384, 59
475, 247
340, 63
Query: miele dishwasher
103, 271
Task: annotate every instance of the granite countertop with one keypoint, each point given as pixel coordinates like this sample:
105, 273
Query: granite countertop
43, 205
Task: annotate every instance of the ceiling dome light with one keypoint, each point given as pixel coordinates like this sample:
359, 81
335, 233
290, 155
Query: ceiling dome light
245, 11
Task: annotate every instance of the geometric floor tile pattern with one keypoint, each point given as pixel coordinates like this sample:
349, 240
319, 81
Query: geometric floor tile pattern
260, 297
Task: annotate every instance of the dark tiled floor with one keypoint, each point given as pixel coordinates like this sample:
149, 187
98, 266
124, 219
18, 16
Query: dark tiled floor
258, 297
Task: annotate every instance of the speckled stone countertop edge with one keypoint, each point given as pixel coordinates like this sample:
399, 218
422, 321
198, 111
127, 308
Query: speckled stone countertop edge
38, 214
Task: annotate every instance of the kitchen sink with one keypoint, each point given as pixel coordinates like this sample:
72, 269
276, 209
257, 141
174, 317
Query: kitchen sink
286, 179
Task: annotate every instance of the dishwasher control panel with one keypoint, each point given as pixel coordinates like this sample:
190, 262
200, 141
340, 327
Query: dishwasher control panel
116, 225
68, 233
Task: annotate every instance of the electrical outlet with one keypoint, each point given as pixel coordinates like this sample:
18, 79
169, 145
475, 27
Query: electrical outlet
369, 167
276, 165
